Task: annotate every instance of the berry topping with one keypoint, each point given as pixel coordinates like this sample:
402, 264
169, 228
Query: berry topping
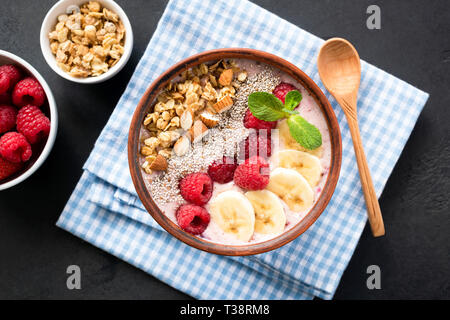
196, 188
28, 91
251, 122
8, 168
4, 83
253, 174
14, 147
256, 144
222, 171
33, 124
7, 118
192, 218
9, 76
282, 90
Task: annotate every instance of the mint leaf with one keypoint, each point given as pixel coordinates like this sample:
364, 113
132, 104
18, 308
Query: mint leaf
290, 111
305, 133
265, 106
292, 99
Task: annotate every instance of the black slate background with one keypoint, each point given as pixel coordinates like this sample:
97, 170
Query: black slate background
413, 44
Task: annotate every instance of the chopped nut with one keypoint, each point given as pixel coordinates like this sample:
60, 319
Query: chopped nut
182, 146
159, 164
198, 131
242, 76
227, 91
223, 105
226, 77
209, 119
187, 119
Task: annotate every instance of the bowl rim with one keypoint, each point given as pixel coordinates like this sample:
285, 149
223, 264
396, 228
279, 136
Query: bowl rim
50, 58
205, 245
53, 124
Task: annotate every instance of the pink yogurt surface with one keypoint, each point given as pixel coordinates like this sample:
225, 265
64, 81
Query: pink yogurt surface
308, 109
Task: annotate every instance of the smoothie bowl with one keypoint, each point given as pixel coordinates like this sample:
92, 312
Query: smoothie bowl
234, 151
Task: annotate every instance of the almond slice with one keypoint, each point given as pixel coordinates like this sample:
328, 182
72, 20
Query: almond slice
226, 77
159, 164
223, 104
187, 119
182, 146
242, 76
198, 131
209, 119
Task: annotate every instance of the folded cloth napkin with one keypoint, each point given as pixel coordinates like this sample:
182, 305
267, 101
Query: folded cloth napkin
104, 208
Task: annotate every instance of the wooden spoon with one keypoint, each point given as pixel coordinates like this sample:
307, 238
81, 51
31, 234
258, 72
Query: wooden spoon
340, 71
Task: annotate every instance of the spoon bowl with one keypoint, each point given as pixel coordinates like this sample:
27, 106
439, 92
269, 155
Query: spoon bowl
339, 66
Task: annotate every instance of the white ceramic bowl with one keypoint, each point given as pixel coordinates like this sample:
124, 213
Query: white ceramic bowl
9, 58
50, 21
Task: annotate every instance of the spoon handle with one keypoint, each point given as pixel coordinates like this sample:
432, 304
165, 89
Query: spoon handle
373, 207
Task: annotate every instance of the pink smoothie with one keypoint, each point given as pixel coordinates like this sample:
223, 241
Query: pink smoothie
308, 109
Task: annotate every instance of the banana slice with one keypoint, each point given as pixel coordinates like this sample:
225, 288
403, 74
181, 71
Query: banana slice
304, 163
269, 212
292, 188
290, 142
234, 214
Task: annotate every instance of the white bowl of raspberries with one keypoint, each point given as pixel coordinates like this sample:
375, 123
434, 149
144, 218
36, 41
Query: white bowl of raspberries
28, 120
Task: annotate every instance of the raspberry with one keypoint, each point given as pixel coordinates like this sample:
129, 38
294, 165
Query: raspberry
7, 118
282, 90
222, 171
28, 91
14, 147
33, 124
192, 218
256, 144
196, 188
4, 83
8, 168
252, 122
9, 76
253, 174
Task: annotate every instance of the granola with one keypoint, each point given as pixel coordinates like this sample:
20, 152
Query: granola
188, 108
89, 41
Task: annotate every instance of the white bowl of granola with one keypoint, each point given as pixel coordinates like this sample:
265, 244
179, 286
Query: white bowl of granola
86, 41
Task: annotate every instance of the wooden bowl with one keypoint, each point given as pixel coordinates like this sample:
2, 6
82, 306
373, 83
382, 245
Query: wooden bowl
234, 250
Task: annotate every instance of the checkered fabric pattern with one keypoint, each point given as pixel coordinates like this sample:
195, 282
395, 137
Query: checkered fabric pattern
105, 211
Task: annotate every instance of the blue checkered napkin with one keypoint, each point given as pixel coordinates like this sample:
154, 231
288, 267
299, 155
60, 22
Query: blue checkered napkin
197, 273
105, 211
